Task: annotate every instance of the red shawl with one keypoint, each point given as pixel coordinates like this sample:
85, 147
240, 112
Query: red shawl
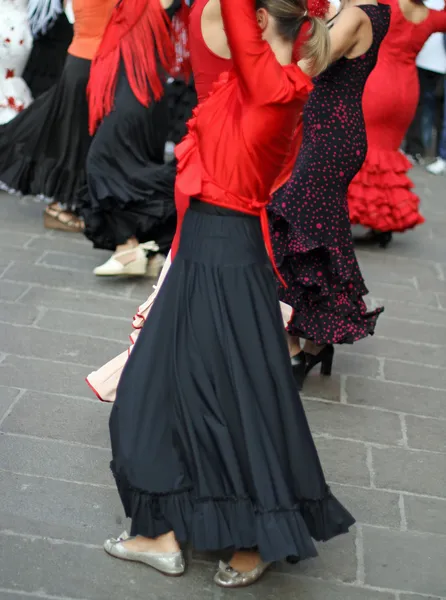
141, 35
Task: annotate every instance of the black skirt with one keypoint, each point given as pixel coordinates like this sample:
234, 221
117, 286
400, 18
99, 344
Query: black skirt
130, 191
209, 436
43, 150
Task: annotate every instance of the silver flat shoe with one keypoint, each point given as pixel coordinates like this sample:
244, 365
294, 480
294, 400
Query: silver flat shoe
167, 563
228, 577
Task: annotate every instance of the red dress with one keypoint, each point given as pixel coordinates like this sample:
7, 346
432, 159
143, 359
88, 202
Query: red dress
380, 196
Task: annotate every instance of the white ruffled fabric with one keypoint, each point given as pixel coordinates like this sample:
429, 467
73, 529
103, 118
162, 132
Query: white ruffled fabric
15, 47
41, 13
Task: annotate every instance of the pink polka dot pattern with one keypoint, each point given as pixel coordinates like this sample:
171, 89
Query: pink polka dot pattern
309, 220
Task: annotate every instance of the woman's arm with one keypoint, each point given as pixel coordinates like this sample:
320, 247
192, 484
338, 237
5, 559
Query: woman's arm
257, 68
438, 20
344, 35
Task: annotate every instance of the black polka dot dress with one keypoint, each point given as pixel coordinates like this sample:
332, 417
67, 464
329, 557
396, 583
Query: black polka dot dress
309, 220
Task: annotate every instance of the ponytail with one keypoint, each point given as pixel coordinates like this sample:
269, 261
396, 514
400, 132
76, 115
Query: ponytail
316, 48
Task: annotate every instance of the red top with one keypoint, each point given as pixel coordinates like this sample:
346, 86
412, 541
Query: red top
243, 139
206, 65
405, 39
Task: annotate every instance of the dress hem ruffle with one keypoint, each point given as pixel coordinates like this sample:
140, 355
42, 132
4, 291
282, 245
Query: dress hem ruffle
218, 523
380, 197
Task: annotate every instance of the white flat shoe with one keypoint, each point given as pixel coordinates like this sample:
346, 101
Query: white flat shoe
114, 268
167, 563
438, 167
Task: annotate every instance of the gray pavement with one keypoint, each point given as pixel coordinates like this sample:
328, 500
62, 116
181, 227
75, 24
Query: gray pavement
379, 423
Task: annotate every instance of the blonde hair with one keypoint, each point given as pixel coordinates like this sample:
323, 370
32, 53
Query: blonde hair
290, 15
316, 49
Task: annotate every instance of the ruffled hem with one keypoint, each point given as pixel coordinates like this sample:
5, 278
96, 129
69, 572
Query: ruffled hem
211, 524
380, 196
325, 287
42, 178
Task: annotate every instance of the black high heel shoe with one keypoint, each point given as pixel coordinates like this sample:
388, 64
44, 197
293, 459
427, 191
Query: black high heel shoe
382, 238
299, 365
324, 357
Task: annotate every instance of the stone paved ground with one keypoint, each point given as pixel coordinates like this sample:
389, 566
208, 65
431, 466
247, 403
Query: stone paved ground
380, 424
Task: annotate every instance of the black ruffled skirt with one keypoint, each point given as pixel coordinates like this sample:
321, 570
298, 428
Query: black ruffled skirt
130, 191
209, 436
43, 149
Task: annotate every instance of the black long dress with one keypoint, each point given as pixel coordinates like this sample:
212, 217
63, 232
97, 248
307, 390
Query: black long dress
309, 220
199, 446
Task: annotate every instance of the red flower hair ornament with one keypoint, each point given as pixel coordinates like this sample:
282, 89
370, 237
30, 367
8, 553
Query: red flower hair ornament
317, 8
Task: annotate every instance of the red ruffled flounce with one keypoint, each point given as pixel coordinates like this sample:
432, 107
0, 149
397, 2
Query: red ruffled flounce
380, 196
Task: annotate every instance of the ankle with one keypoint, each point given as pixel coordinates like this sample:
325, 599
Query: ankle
245, 561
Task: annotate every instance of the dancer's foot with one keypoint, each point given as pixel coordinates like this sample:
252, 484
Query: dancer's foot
131, 262
55, 217
322, 355
163, 553
245, 568
374, 237
298, 360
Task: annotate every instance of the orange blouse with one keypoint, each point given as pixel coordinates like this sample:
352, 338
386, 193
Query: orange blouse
90, 20
243, 139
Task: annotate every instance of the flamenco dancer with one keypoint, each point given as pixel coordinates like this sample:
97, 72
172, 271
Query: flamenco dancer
130, 195
309, 221
239, 470
210, 56
43, 150
381, 197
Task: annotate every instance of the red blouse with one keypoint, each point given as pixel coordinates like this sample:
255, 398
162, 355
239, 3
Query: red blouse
206, 65
243, 140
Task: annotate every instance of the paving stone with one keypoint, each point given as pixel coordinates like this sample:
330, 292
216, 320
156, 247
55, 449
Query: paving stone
421, 375
112, 328
416, 597
336, 561
426, 434
40, 506
64, 347
410, 471
405, 561
7, 397
326, 388
78, 301
384, 267
442, 300
425, 514
402, 293
78, 246
66, 279
395, 396
18, 314
92, 574
354, 423
10, 291
352, 364
48, 458
382, 347
14, 239
343, 462
19, 255
411, 312
14, 596
51, 416
413, 332
68, 260
373, 507
45, 376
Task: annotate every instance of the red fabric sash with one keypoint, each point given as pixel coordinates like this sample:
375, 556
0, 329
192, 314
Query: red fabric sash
141, 35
